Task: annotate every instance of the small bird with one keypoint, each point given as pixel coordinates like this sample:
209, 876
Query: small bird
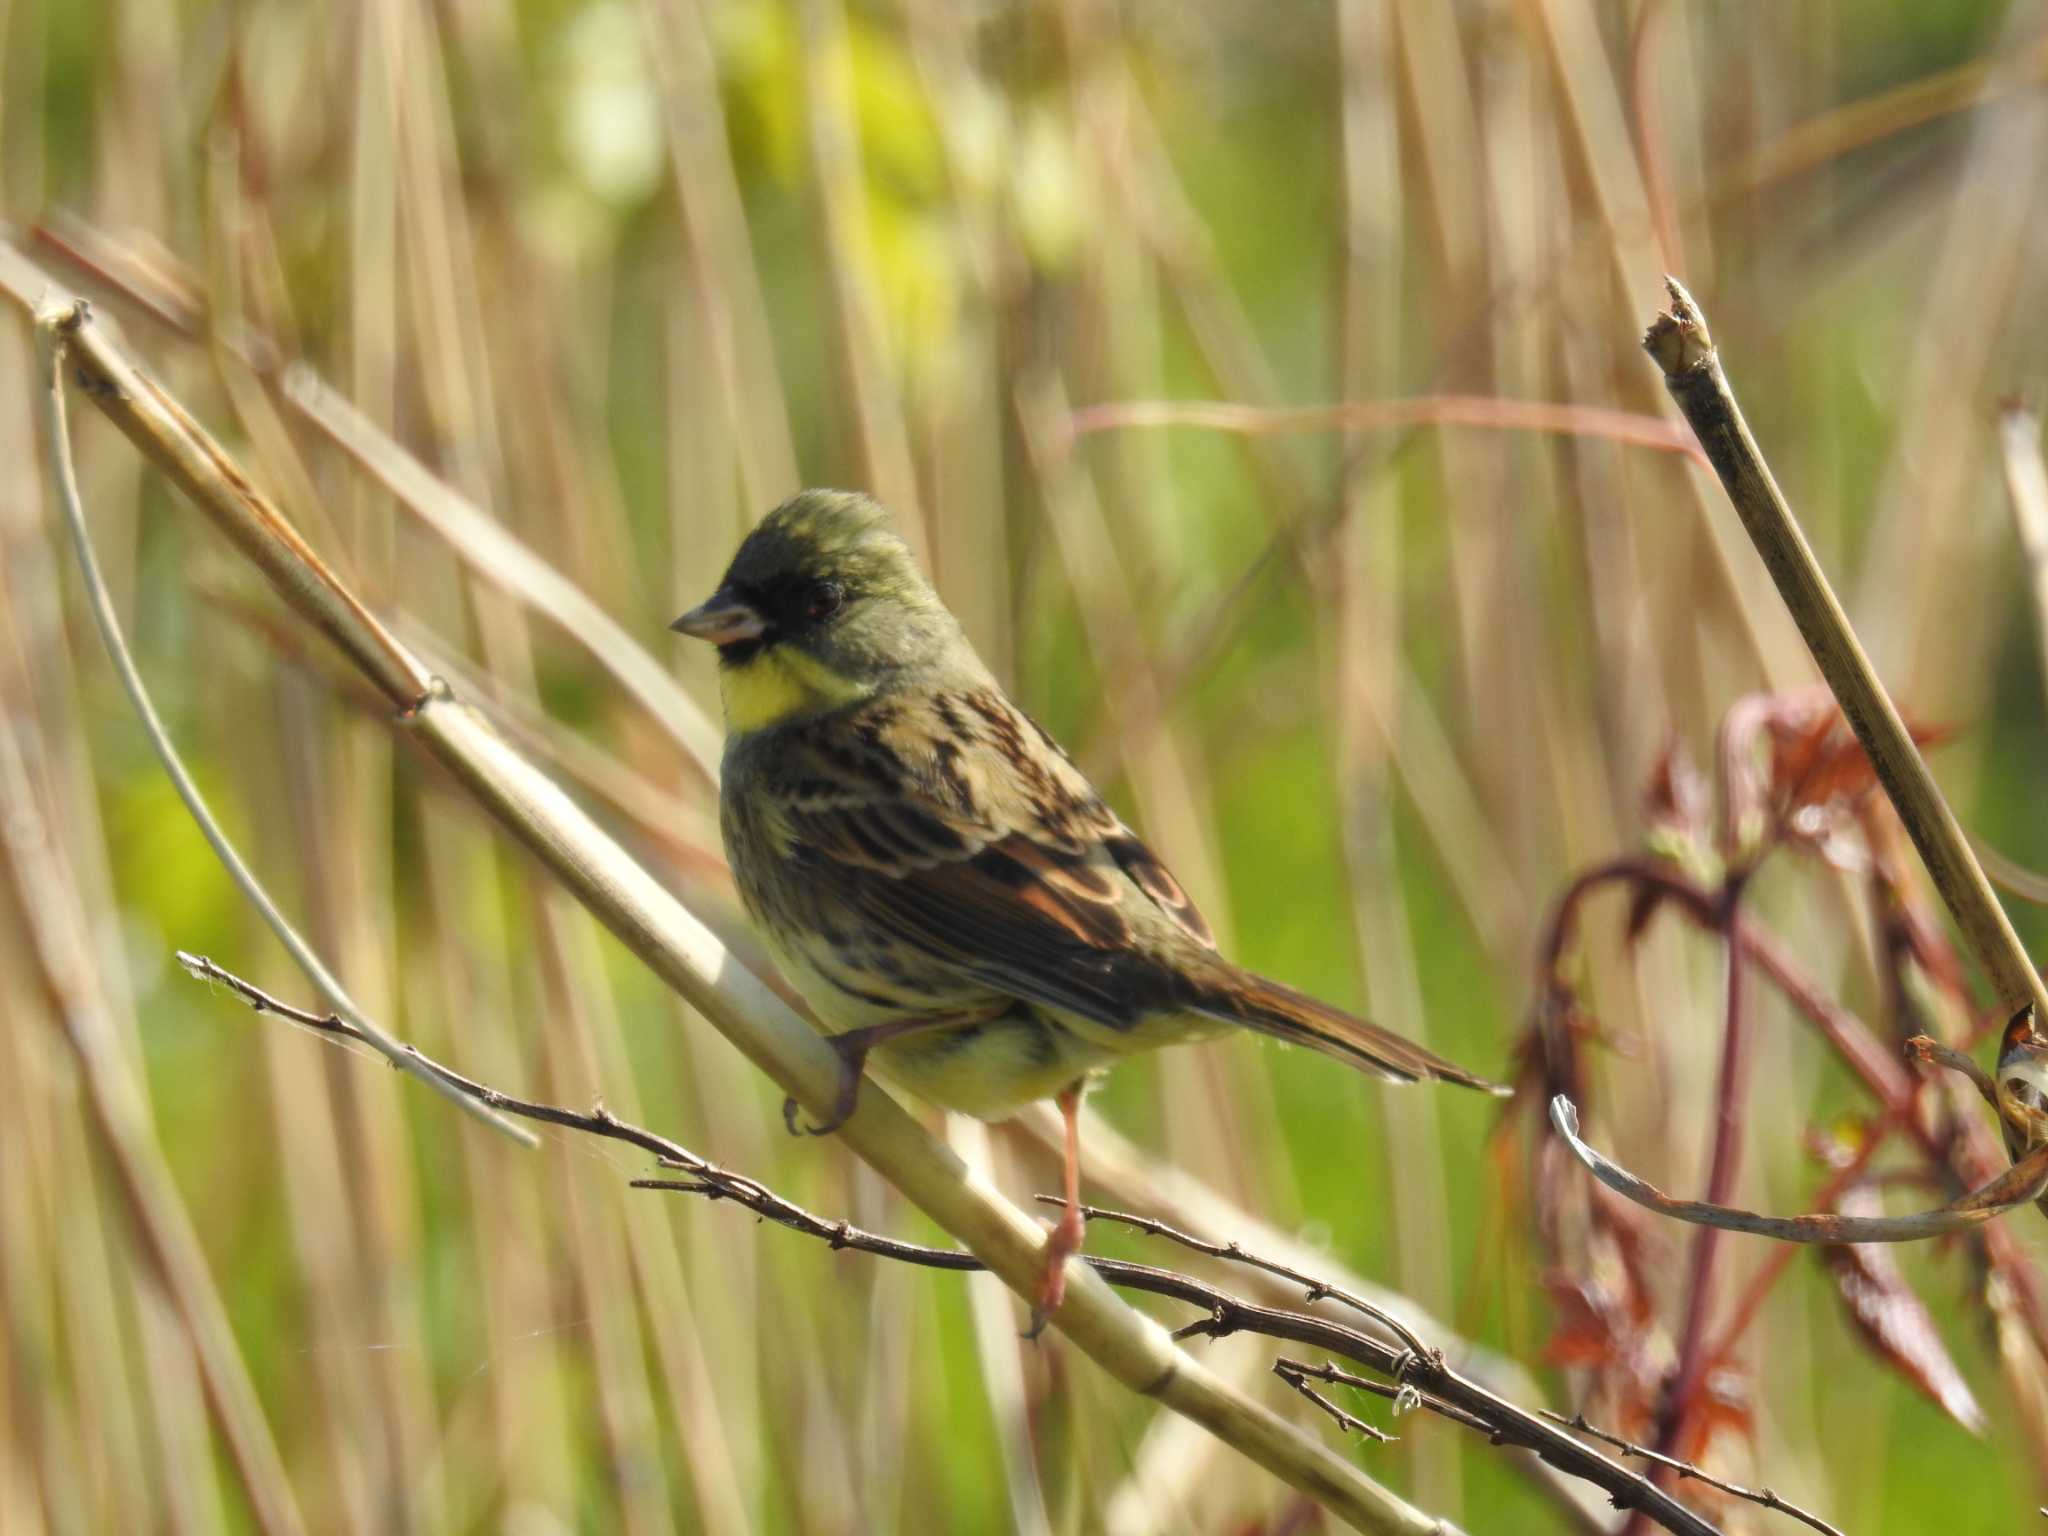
2020, 1088
932, 872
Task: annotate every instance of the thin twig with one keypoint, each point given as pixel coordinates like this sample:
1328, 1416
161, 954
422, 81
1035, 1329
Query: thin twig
1681, 346
1686, 1469
56, 323
1403, 1397
1970, 1157
1414, 1365
1297, 1375
1313, 1288
1930, 1050
1144, 1182
1542, 416
481, 541
1420, 1376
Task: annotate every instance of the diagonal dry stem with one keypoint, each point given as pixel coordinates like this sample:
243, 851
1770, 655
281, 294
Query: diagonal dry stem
56, 325
1679, 343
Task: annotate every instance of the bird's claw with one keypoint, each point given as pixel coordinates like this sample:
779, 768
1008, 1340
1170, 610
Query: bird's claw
852, 1061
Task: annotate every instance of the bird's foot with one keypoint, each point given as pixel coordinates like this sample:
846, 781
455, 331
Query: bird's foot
852, 1047
852, 1050
1061, 1246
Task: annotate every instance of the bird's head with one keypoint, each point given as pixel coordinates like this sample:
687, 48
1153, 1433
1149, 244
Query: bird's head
822, 606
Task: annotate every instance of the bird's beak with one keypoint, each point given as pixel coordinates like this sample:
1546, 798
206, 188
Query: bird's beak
722, 619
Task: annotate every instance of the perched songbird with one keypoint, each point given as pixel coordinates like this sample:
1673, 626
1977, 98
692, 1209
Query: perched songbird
930, 869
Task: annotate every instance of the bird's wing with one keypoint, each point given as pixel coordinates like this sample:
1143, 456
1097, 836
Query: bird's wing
954, 823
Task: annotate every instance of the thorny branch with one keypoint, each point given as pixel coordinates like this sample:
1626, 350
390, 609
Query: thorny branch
1416, 1374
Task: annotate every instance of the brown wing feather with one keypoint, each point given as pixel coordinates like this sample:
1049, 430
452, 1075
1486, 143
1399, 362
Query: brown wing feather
962, 830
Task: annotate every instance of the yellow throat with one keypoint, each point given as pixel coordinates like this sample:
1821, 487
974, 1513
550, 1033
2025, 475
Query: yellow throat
780, 684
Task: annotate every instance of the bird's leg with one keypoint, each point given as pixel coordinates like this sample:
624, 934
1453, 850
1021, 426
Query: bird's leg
852, 1047
1065, 1240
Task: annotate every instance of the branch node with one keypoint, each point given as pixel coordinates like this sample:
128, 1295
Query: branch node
437, 692
1677, 339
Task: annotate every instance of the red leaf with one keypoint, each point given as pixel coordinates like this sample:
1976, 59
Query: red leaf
1792, 760
1585, 1336
1606, 1325
1818, 764
1891, 1318
1725, 1405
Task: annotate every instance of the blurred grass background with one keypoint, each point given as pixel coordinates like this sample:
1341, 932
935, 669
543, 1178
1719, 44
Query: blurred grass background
626, 274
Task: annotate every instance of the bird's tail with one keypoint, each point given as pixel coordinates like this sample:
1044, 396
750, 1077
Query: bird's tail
1277, 1010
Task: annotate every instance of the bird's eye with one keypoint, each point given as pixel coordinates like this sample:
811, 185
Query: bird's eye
823, 600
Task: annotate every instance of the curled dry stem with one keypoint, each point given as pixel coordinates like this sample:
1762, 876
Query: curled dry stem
2023, 1181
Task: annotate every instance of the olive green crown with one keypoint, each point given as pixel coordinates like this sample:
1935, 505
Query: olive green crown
838, 535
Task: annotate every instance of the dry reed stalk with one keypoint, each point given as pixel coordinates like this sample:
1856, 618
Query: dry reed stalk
64, 965
1361, 609
1681, 346
869, 372
1161, 774
722, 271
